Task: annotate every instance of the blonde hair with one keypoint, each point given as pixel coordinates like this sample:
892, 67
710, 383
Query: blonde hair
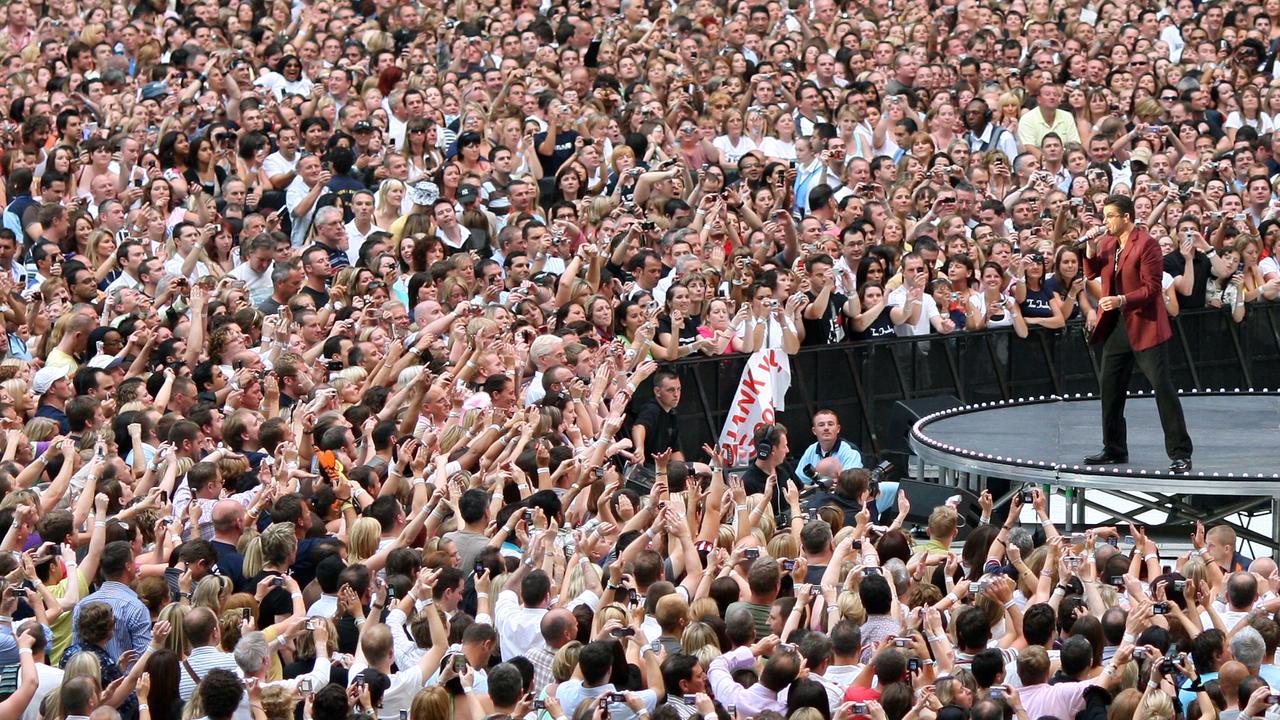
40, 428
362, 540
850, 606
431, 703
278, 702
177, 641
565, 661
211, 592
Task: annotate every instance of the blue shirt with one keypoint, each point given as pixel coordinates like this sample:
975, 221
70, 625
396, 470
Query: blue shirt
133, 621
844, 451
573, 693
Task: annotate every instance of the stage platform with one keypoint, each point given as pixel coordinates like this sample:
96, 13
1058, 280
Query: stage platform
1043, 441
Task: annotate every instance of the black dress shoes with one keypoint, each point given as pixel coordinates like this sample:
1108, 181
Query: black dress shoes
1106, 458
1180, 466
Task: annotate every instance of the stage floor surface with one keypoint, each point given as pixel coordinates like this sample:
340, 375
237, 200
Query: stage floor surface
1234, 434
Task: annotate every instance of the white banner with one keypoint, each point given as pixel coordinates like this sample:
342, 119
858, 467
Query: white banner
761, 396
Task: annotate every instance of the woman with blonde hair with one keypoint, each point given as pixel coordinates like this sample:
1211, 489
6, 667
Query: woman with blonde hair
565, 662
211, 592
390, 200
431, 703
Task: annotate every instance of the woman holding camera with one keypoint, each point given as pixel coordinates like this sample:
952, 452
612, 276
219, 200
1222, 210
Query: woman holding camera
992, 308
765, 322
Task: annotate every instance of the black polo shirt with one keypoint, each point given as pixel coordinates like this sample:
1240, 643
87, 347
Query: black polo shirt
662, 428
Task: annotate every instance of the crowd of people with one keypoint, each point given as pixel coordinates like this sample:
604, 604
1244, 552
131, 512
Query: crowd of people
336, 332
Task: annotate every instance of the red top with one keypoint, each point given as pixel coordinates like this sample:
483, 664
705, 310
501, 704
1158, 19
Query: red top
1136, 276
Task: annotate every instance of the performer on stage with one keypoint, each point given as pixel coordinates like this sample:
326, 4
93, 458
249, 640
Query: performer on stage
1133, 328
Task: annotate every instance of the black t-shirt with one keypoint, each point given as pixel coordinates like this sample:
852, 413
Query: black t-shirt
882, 326
562, 152
277, 602
320, 296
1175, 264
1037, 304
828, 328
662, 428
688, 331
754, 480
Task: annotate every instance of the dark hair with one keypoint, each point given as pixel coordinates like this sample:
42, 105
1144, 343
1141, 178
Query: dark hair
220, 693
1121, 203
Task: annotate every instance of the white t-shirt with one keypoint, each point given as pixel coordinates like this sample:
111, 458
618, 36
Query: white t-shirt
928, 311
978, 305
277, 164
293, 197
1268, 265
772, 333
731, 153
1236, 120
777, 149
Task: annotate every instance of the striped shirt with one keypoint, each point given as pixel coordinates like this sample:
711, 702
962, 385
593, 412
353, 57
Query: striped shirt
202, 660
133, 621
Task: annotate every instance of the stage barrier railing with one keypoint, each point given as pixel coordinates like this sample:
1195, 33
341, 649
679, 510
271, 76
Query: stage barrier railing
863, 381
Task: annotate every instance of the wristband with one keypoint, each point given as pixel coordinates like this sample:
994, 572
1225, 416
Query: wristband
141, 706
296, 596
496, 428
741, 508
1151, 556
1059, 591
1046, 573
359, 621
99, 523
1009, 604
952, 597
24, 650
933, 638
522, 487
1152, 684
1046, 522
6, 619
984, 520
544, 471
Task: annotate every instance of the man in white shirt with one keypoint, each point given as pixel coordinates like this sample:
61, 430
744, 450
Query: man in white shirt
255, 271
302, 194
202, 630
545, 352
130, 257
282, 165
912, 310
519, 619
1241, 592
361, 225
376, 652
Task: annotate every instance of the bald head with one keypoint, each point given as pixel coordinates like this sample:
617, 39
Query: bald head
228, 517
829, 467
559, 626
1263, 567
1230, 675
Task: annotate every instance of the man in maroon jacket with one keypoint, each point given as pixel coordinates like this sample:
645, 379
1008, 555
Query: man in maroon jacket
1133, 328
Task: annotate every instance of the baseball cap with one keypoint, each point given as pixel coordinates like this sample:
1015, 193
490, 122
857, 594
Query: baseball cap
154, 90
363, 126
105, 362
468, 194
47, 376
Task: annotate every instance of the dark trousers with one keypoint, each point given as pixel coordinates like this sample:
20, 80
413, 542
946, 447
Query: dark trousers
1118, 359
